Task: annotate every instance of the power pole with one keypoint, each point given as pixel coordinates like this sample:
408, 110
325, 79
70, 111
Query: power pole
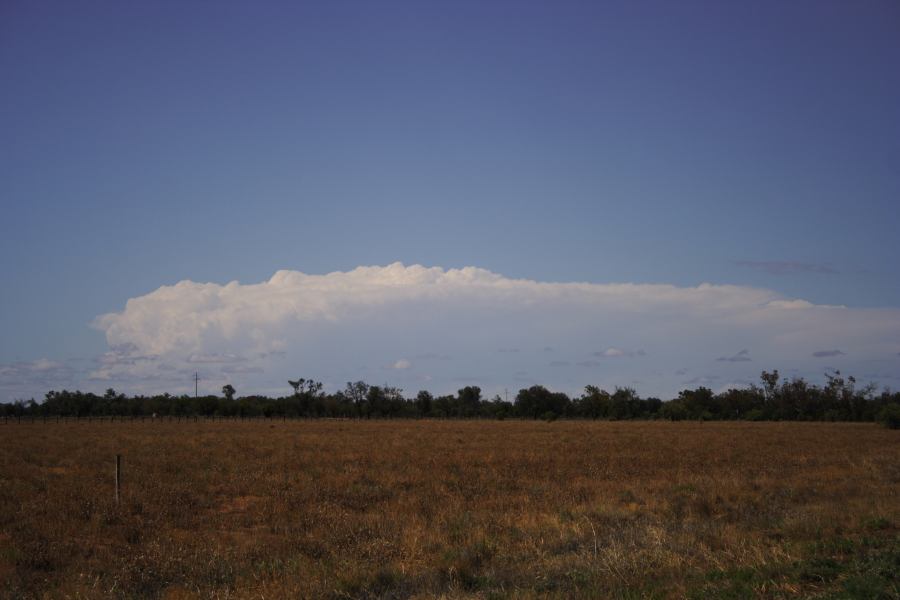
196, 383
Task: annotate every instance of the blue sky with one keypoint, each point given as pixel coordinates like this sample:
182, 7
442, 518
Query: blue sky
746, 144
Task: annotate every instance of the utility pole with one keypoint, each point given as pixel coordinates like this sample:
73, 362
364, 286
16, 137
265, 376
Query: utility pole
196, 383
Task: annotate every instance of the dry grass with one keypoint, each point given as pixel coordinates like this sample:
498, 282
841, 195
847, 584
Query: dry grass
421, 509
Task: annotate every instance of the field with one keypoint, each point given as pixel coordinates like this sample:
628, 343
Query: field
455, 509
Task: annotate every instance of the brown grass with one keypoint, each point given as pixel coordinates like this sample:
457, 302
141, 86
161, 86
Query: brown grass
402, 509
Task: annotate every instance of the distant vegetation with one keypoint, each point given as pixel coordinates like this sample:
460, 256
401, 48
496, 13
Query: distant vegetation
775, 399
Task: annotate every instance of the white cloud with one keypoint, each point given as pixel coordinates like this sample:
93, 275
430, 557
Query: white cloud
618, 353
339, 327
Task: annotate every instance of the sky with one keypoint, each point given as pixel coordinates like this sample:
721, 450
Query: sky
437, 194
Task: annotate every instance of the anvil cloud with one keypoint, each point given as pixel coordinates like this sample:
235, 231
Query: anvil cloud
349, 325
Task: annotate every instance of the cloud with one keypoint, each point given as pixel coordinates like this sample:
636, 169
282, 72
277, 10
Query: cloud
42, 372
401, 364
777, 267
215, 358
610, 352
827, 353
742, 356
618, 352
340, 326
124, 354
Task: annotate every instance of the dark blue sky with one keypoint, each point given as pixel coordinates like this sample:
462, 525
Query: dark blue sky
146, 143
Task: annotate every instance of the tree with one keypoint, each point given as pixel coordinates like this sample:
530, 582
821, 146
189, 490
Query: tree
469, 400
423, 402
306, 386
889, 415
538, 401
770, 385
594, 403
698, 404
228, 391
356, 392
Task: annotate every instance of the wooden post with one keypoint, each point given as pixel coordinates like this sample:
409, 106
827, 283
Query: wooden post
118, 475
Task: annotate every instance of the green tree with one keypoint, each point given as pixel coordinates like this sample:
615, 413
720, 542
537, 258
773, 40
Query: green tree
594, 403
424, 400
228, 391
469, 401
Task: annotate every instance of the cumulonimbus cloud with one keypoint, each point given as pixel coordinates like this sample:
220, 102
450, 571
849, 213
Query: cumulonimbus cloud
360, 317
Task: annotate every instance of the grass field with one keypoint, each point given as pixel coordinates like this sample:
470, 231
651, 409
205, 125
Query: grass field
400, 509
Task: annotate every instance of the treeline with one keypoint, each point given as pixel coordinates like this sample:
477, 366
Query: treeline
775, 399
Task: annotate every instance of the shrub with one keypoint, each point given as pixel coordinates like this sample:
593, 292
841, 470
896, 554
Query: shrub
889, 416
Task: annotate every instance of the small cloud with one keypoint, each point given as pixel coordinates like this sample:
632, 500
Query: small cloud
559, 363
589, 363
827, 353
786, 267
742, 356
548, 349
401, 364
215, 358
610, 352
681, 372
617, 353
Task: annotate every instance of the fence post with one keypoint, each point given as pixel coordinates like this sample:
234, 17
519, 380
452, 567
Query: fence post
118, 475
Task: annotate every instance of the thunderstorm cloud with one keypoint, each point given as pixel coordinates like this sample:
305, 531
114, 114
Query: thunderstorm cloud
343, 326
